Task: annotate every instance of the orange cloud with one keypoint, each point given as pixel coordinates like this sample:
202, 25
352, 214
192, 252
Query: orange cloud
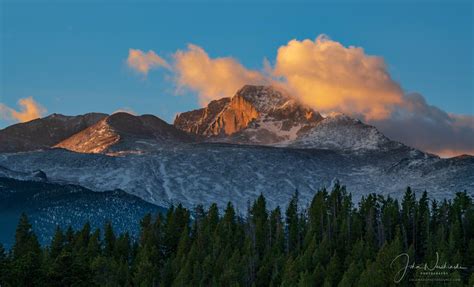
332, 78
143, 62
29, 110
211, 78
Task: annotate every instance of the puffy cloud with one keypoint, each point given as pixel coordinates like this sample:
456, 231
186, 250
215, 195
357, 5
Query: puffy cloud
211, 78
29, 110
332, 78
429, 128
143, 62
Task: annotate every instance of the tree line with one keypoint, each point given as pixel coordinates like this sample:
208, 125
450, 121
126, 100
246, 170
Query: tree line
332, 242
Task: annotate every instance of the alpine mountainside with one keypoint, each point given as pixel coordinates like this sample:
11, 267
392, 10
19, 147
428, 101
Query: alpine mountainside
263, 115
259, 141
45, 132
124, 132
203, 173
50, 205
254, 115
341, 132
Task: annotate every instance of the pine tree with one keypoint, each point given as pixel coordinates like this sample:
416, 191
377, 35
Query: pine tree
422, 226
334, 244
26, 261
259, 220
145, 272
291, 275
333, 271
306, 279
122, 248
176, 219
57, 244
319, 275
386, 263
94, 247
371, 276
109, 237
351, 275
3, 265
318, 215
408, 218
82, 238
276, 232
292, 223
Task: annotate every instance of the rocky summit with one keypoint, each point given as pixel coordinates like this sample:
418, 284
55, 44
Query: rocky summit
254, 115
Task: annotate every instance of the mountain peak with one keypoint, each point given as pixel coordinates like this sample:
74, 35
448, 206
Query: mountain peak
262, 98
251, 107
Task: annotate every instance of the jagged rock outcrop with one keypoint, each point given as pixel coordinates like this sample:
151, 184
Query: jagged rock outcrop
198, 121
45, 132
254, 115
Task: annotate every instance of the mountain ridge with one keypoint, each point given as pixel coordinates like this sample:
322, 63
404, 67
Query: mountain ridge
124, 132
254, 115
49, 205
260, 141
44, 132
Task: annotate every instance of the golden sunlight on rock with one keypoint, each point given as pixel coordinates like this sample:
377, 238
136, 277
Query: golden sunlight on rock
238, 114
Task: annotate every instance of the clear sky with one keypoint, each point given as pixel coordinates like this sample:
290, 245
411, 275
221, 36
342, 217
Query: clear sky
71, 58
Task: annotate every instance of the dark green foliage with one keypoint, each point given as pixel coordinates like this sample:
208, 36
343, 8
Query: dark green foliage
332, 243
25, 262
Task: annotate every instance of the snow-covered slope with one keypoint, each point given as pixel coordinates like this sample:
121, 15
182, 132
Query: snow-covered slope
204, 173
341, 132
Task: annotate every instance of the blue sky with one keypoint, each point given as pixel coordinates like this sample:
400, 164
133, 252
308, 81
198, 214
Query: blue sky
71, 57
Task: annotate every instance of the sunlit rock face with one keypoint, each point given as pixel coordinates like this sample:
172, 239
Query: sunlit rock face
234, 117
221, 117
198, 121
224, 116
45, 132
254, 115
123, 132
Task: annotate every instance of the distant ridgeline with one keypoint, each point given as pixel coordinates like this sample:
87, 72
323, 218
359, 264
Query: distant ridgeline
332, 243
261, 140
49, 205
